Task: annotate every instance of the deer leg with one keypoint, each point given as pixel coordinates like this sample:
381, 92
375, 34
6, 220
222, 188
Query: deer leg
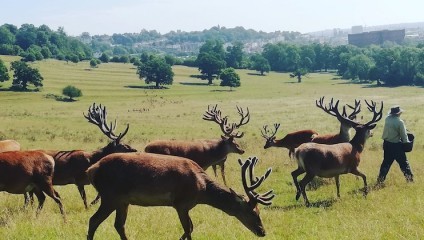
96, 200
102, 213
222, 166
364, 178
121, 217
291, 151
337, 178
47, 187
302, 184
214, 170
295, 174
41, 198
186, 222
83, 195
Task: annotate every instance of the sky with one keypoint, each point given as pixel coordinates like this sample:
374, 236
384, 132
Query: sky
131, 16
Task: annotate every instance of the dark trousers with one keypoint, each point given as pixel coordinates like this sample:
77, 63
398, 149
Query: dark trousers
394, 151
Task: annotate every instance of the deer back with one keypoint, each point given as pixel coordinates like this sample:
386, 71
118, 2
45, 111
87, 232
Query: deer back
9, 145
204, 152
327, 160
20, 169
147, 179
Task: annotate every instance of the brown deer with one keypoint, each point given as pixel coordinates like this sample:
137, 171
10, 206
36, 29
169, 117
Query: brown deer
23, 171
206, 153
71, 166
9, 145
333, 160
345, 126
290, 141
147, 179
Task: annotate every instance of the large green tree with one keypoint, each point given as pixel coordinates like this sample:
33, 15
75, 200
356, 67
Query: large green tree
229, 78
23, 74
210, 59
234, 55
359, 67
4, 74
156, 70
259, 63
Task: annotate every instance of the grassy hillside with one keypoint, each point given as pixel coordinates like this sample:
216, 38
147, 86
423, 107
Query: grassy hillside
37, 120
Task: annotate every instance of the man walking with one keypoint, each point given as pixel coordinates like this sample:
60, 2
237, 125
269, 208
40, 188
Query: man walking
394, 132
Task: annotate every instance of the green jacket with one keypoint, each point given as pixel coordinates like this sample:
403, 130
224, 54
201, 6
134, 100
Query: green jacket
394, 129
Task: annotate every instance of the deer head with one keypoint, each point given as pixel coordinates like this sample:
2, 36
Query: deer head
228, 129
341, 117
268, 135
249, 214
363, 131
97, 115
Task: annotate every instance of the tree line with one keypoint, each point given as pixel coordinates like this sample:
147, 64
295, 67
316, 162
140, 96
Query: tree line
38, 43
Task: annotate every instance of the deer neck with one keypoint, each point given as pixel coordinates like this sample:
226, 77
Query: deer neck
358, 142
96, 155
220, 198
344, 133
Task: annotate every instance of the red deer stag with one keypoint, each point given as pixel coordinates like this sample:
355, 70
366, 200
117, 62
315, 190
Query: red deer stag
290, 141
345, 126
206, 153
148, 179
23, 171
9, 145
333, 160
71, 166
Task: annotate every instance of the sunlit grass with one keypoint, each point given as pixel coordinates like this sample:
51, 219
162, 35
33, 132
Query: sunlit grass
393, 212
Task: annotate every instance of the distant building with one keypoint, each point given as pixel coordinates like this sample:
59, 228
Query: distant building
357, 29
376, 37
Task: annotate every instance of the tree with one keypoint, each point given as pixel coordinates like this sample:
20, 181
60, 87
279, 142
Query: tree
93, 63
210, 65
156, 70
260, 63
359, 67
104, 58
71, 92
234, 55
210, 59
229, 78
299, 73
4, 74
23, 75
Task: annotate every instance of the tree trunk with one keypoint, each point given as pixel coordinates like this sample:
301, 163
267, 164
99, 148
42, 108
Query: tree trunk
299, 78
157, 84
210, 80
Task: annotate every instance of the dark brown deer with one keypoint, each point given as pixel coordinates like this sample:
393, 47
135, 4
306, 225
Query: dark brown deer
290, 141
345, 126
71, 166
9, 145
147, 179
206, 153
23, 171
333, 160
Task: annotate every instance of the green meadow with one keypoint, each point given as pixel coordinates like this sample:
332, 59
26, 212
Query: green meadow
39, 121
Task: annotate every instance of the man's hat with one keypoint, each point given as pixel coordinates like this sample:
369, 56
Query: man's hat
395, 110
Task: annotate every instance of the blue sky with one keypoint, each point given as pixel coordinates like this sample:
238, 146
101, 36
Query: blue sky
108, 17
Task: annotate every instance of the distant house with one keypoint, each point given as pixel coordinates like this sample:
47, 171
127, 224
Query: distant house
376, 37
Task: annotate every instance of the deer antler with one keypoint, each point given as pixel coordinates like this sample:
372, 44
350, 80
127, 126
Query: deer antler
212, 114
376, 115
255, 182
356, 109
265, 132
98, 116
320, 104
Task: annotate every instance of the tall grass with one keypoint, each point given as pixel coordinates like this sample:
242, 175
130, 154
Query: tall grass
37, 120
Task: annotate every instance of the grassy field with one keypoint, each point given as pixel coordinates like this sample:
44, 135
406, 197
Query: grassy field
38, 120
